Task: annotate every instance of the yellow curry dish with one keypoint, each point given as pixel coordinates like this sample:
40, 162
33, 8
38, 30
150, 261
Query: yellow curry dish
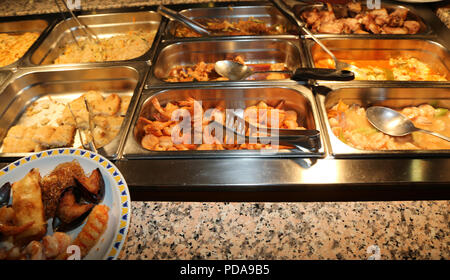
349, 123
401, 68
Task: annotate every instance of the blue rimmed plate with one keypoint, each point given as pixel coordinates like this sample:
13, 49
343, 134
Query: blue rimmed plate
117, 196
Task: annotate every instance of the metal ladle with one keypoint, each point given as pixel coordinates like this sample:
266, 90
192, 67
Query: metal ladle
287, 12
393, 123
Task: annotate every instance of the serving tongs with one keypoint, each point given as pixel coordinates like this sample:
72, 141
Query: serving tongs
301, 139
90, 145
174, 15
284, 9
89, 33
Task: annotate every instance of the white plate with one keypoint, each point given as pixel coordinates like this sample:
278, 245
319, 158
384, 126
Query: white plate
117, 196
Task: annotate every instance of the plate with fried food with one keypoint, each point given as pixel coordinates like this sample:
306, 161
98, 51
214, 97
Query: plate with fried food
63, 204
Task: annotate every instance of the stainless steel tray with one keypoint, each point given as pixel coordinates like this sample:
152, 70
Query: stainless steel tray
253, 51
431, 52
103, 25
414, 13
25, 87
4, 75
298, 98
268, 14
393, 97
17, 25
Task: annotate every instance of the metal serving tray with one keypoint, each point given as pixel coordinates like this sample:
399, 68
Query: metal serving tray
103, 25
298, 98
268, 14
4, 75
253, 51
17, 25
64, 85
430, 52
394, 97
413, 14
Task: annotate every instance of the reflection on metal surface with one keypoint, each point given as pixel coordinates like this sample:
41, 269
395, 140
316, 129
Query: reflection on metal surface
296, 98
104, 25
393, 97
66, 85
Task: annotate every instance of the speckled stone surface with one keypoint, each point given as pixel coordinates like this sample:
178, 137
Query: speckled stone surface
25, 7
265, 231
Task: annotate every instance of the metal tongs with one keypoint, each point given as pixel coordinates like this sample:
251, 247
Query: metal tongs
300, 138
90, 34
174, 15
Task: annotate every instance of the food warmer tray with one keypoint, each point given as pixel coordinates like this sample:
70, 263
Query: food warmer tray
233, 11
254, 51
33, 23
104, 25
64, 84
429, 51
431, 25
323, 177
251, 177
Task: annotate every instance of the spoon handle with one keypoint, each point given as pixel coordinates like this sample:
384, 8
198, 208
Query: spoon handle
435, 134
304, 74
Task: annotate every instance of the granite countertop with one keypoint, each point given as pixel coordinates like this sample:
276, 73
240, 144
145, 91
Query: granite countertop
325, 230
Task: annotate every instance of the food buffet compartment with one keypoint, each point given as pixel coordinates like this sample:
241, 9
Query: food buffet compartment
27, 89
263, 51
298, 99
262, 13
18, 26
397, 98
377, 52
104, 26
340, 11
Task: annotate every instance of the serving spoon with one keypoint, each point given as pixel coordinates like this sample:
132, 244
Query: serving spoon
281, 6
236, 71
393, 123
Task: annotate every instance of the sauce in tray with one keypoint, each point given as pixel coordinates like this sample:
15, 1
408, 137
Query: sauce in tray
399, 68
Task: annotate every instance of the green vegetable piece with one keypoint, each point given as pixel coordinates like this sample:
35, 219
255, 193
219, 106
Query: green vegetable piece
440, 112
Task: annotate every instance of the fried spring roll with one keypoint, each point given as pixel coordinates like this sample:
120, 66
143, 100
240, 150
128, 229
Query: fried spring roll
28, 207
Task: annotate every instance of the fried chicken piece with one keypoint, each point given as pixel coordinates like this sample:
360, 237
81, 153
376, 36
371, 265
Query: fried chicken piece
334, 27
354, 7
56, 182
412, 26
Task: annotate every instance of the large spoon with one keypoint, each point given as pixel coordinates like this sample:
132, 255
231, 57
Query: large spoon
174, 15
393, 123
288, 13
236, 71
